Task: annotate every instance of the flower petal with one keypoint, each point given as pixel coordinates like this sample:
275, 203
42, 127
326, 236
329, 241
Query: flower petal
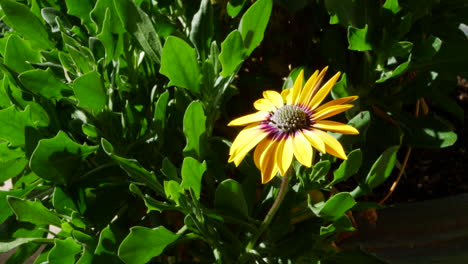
331, 111
308, 88
264, 105
314, 140
249, 142
332, 145
340, 101
323, 92
274, 97
244, 136
296, 90
260, 149
287, 95
336, 127
269, 168
302, 149
284, 154
314, 86
247, 119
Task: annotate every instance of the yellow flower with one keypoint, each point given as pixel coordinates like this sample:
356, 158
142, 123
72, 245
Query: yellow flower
290, 124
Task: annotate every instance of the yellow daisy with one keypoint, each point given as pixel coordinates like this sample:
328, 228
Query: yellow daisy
289, 124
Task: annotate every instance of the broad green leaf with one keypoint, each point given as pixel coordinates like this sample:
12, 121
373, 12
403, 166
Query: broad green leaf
401, 49
138, 24
341, 224
106, 37
232, 53
169, 170
173, 191
39, 115
214, 58
320, 171
7, 246
81, 9
57, 159
253, 24
336, 206
12, 162
133, 168
64, 251
18, 53
62, 202
90, 92
43, 83
160, 110
192, 172
108, 245
57, 20
14, 123
32, 212
89, 130
400, 69
340, 89
429, 131
358, 39
144, 243
392, 5
348, 167
234, 7
26, 23
99, 12
179, 63
202, 28
194, 130
229, 198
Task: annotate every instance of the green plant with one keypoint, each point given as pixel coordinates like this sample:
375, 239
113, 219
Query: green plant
113, 122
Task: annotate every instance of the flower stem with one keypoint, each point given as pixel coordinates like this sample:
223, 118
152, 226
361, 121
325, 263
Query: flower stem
272, 212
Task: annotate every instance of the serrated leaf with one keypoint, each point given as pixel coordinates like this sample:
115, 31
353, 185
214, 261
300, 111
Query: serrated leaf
81, 9
64, 251
202, 28
18, 53
192, 172
90, 92
392, 5
108, 245
12, 162
232, 53
253, 24
144, 243
32, 212
43, 83
358, 39
57, 159
348, 167
14, 123
229, 198
179, 63
7, 246
234, 7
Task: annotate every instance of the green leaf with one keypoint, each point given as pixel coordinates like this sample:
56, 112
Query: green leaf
7, 246
64, 251
429, 131
43, 83
18, 53
62, 202
179, 64
358, 39
169, 170
401, 49
26, 23
12, 162
57, 159
108, 245
143, 243
320, 171
229, 198
234, 7
336, 206
173, 191
14, 123
140, 26
202, 28
348, 167
194, 130
232, 53
160, 110
253, 24
133, 168
81, 9
341, 224
32, 212
99, 12
90, 92
106, 37
400, 69
392, 5
151, 203
192, 172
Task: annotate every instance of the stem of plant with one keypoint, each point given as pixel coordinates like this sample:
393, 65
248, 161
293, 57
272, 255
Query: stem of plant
272, 212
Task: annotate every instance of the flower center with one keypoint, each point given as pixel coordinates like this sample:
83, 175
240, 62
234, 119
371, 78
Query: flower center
290, 118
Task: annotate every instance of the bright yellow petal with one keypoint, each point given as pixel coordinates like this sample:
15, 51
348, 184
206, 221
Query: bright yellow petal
260, 149
340, 101
284, 154
308, 88
331, 111
314, 140
336, 127
302, 149
274, 97
287, 95
241, 152
323, 92
296, 90
269, 168
315, 86
243, 136
332, 145
245, 120
264, 105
